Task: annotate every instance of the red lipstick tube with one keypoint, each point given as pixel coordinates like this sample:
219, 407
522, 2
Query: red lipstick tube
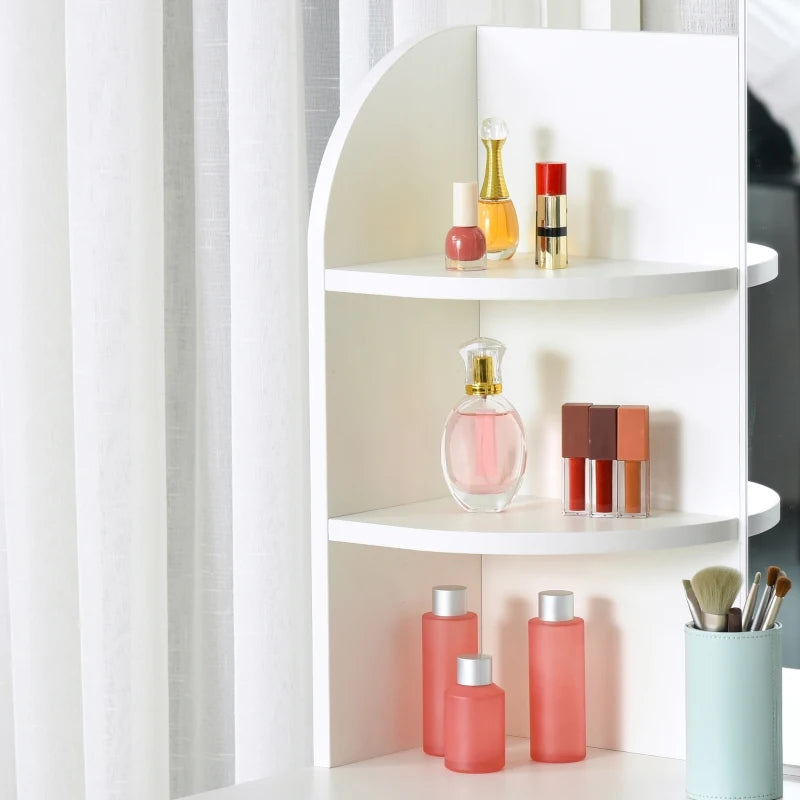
576, 497
551, 215
603, 455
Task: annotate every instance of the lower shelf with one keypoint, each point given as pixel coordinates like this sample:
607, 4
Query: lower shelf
604, 775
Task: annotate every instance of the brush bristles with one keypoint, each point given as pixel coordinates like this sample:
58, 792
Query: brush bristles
716, 588
782, 587
773, 573
757, 578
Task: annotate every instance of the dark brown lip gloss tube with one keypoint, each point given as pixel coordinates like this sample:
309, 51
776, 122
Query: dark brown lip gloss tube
603, 454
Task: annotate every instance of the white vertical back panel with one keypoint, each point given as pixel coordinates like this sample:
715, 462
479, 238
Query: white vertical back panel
679, 355
648, 126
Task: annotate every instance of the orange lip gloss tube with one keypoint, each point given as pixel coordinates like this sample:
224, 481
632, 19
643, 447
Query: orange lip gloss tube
633, 461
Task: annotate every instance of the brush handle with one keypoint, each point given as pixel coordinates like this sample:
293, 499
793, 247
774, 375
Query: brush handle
749, 607
694, 605
714, 623
761, 613
772, 613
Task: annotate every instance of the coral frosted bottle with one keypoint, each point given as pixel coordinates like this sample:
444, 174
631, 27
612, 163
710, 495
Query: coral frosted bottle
475, 719
557, 680
447, 632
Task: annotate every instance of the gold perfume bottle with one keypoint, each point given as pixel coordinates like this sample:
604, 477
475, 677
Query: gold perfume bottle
497, 216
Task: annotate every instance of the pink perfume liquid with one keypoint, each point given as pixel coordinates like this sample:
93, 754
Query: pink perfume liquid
484, 454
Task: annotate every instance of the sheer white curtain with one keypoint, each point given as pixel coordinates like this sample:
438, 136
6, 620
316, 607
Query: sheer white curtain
153, 544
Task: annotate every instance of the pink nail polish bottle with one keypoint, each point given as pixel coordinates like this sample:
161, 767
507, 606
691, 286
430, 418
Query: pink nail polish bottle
447, 631
465, 244
557, 678
475, 718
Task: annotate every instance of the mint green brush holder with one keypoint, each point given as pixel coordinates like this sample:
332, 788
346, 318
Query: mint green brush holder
734, 749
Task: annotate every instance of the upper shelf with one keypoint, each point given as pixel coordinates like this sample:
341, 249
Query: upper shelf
519, 279
536, 526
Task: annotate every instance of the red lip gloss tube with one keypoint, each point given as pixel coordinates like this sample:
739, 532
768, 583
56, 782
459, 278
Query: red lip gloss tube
576, 497
603, 455
551, 215
633, 457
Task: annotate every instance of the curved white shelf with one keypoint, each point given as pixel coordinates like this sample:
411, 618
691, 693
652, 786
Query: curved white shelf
519, 279
763, 508
531, 526
762, 264
536, 526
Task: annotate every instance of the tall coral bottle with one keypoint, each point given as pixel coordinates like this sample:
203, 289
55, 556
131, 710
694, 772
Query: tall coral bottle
448, 631
557, 678
497, 216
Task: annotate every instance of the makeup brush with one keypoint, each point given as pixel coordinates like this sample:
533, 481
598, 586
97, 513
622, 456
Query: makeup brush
750, 603
773, 573
694, 606
782, 586
716, 589
735, 620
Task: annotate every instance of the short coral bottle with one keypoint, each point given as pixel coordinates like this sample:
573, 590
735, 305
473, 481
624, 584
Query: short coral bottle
475, 718
447, 631
557, 680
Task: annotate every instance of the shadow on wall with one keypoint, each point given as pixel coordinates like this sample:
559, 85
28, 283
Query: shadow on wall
603, 680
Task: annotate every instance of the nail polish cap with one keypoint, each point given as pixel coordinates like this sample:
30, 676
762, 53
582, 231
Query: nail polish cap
633, 433
474, 670
556, 605
449, 601
551, 177
603, 433
575, 430
465, 205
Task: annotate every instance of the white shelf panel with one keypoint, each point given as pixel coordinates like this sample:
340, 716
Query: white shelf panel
604, 775
520, 279
763, 508
531, 526
762, 264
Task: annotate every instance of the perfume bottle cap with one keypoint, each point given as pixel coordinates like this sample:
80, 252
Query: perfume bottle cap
603, 433
556, 605
633, 433
551, 177
449, 601
474, 670
482, 359
494, 128
465, 205
575, 430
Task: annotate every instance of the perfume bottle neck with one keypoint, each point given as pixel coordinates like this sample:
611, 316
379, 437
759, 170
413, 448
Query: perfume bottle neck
494, 183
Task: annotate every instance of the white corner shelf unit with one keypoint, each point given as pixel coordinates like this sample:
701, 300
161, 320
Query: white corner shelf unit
658, 258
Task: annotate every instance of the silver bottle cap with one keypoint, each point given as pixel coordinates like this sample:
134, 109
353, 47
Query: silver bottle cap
556, 605
474, 670
449, 601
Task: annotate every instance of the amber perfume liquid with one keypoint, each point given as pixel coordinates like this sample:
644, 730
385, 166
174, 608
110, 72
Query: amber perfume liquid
498, 221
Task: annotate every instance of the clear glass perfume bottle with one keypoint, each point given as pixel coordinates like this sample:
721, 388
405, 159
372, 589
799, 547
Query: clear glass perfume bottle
497, 216
483, 445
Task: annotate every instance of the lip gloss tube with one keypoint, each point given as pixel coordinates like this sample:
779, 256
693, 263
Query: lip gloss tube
551, 215
576, 497
633, 457
603, 455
